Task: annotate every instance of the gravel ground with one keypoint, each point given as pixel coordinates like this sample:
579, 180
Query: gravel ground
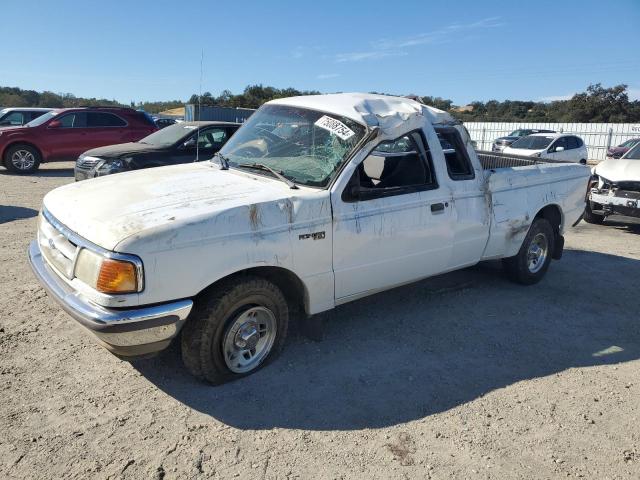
462, 376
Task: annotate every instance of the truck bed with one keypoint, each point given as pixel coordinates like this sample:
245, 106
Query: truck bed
518, 187
493, 160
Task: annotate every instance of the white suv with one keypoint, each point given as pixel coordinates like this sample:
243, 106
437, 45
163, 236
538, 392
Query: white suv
15, 117
556, 146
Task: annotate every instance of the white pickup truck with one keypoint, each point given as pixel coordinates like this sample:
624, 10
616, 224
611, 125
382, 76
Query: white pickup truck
314, 202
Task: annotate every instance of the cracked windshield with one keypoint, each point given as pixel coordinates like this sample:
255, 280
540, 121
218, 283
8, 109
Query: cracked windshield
305, 146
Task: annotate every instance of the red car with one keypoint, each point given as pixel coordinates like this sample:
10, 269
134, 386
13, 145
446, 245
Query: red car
64, 134
620, 150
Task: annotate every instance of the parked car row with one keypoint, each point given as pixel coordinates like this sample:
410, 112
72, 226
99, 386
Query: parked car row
571, 148
104, 140
179, 143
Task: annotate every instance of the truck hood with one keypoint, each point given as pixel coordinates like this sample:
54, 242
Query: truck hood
120, 149
619, 170
108, 210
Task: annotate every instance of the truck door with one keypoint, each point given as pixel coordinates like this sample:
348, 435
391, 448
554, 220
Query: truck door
471, 214
392, 221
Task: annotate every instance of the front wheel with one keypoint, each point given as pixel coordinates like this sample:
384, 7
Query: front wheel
591, 217
533, 259
234, 330
22, 159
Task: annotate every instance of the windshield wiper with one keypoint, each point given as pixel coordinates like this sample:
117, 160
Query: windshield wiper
266, 168
224, 161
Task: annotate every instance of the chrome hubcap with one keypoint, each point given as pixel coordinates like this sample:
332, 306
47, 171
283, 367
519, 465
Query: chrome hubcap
537, 253
249, 339
23, 159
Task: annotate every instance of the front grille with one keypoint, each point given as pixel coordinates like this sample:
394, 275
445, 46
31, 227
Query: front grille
87, 163
56, 248
633, 195
630, 186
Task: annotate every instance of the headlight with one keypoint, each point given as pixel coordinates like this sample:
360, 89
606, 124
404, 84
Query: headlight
112, 165
108, 275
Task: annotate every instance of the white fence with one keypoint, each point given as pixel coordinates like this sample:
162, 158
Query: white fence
597, 136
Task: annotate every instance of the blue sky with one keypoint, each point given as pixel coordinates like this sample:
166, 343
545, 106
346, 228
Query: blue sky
460, 49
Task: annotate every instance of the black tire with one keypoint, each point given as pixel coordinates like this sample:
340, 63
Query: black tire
213, 316
591, 217
518, 267
25, 150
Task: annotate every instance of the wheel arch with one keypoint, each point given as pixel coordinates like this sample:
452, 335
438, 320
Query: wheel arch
22, 142
553, 214
292, 287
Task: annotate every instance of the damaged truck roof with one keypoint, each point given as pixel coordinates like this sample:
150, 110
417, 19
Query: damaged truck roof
383, 111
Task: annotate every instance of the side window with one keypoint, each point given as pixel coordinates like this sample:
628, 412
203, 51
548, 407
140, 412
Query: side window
14, 118
572, 143
455, 154
102, 119
73, 120
212, 138
560, 142
394, 167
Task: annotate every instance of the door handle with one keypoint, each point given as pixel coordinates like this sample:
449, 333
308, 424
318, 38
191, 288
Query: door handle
437, 207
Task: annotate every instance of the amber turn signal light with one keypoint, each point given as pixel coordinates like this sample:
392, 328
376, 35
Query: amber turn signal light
117, 277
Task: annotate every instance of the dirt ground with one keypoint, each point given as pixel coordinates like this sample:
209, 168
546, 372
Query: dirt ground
461, 376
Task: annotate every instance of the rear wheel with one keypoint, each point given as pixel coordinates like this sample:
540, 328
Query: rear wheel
533, 259
22, 159
591, 217
235, 330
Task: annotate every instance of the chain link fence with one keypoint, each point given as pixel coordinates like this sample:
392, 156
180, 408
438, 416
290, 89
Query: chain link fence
598, 137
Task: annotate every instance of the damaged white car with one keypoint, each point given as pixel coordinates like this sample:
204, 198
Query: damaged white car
316, 201
615, 188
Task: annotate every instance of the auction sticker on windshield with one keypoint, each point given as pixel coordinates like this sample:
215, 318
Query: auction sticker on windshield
335, 126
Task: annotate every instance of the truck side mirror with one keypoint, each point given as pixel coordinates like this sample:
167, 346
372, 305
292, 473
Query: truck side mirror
559, 149
54, 124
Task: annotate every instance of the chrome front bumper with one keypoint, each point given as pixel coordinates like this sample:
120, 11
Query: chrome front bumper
125, 332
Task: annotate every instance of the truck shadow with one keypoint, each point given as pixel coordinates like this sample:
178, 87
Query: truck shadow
625, 224
429, 347
9, 213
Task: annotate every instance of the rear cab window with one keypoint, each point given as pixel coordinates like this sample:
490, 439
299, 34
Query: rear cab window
455, 153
